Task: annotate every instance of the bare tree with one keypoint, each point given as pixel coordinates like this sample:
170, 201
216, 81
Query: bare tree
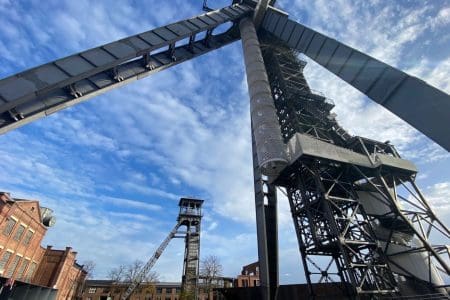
128, 273
133, 270
117, 274
210, 269
89, 267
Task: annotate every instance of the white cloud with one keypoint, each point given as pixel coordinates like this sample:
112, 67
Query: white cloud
442, 18
438, 195
435, 73
130, 203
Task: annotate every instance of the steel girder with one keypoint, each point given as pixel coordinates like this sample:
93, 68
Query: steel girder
421, 105
43, 90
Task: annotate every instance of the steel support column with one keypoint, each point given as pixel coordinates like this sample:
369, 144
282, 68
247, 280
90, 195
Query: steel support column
260, 11
271, 219
271, 151
267, 230
269, 157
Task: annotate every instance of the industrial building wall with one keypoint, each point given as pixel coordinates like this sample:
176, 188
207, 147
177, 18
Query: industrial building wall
58, 269
23, 259
21, 233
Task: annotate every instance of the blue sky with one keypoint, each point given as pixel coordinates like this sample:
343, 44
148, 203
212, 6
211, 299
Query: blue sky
114, 167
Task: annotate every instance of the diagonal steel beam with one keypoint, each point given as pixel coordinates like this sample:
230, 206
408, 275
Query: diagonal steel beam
423, 106
260, 12
38, 92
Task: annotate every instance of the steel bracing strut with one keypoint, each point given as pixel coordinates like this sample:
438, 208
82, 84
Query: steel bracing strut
43, 90
267, 230
140, 277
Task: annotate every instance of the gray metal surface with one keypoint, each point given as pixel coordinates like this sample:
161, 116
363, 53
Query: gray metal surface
266, 229
269, 145
421, 105
306, 145
46, 89
260, 12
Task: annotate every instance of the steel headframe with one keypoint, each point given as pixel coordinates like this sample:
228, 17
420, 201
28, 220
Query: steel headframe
328, 197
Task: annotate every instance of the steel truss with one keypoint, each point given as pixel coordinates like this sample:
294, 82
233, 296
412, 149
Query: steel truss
339, 240
331, 222
331, 199
190, 216
407, 224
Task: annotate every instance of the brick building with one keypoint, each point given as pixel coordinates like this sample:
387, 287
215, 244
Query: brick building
58, 269
249, 276
23, 224
112, 290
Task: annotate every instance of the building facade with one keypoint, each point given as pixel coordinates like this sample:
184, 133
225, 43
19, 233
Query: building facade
113, 290
58, 269
21, 234
23, 224
249, 276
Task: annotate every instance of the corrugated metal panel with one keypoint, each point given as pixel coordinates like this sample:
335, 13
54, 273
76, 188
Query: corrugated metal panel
328, 48
280, 26
98, 57
357, 61
315, 45
288, 29
295, 36
74, 65
305, 39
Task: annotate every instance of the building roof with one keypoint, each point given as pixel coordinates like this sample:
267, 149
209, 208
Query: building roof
190, 200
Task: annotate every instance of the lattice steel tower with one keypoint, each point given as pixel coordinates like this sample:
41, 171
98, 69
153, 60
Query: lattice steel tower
360, 219
190, 215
